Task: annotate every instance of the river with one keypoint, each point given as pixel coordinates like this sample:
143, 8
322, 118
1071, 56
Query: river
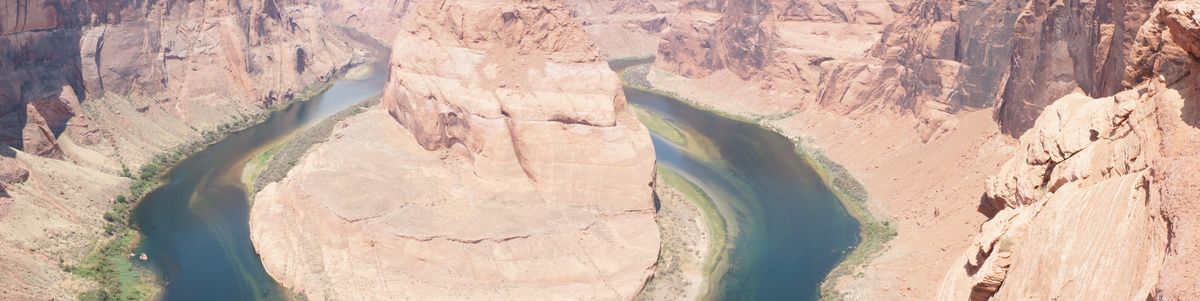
195, 228
787, 229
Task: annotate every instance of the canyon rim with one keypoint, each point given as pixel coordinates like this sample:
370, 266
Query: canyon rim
986, 150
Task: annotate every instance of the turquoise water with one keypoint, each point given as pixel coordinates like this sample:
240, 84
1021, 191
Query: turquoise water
196, 228
788, 230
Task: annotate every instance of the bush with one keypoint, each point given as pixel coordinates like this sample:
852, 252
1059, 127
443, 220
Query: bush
148, 171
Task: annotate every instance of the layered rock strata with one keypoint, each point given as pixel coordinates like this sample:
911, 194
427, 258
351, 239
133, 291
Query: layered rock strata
773, 49
624, 29
88, 88
1101, 187
943, 57
503, 163
909, 118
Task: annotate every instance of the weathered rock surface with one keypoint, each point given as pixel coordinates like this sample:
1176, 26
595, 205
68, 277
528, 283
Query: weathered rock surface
623, 29
773, 49
904, 117
945, 56
769, 38
89, 87
503, 163
1098, 187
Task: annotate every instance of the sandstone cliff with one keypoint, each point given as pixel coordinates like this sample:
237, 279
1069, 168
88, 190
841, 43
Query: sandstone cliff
773, 50
90, 87
908, 116
623, 29
1101, 187
945, 56
503, 163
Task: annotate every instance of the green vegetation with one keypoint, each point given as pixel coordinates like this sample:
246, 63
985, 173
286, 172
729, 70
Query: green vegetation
874, 233
713, 220
108, 263
111, 267
280, 159
662, 127
255, 167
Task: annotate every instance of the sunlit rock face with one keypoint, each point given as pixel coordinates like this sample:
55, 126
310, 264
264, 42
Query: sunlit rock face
1101, 186
942, 57
503, 161
89, 87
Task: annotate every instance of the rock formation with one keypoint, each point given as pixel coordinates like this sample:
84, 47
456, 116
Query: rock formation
765, 38
773, 49
946, 56
1101, 187
913, 102
503, 163
623, 29
90, 87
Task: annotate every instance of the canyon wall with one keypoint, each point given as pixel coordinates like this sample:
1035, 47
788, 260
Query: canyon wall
1095, 196
1017, 56
623, 29
1101, 186
88, 88
773, 49
503, 162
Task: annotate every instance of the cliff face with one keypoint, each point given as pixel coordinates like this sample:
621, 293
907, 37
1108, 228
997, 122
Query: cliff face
503, 161
1101, 187
773, 50
623, 29
1017, 56
89, 87
766, 38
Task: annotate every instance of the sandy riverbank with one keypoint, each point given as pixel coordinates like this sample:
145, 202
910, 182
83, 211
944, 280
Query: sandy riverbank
928, 192
693, 234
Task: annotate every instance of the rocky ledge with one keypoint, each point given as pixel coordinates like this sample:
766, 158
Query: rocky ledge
1099, 200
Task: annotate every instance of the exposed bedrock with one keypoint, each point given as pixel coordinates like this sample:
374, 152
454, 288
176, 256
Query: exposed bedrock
502, 163
765, 38
941, 57
1102, 186
90, 87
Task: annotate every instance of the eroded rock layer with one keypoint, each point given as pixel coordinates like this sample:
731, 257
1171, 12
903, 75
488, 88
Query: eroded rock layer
1101, 187
945, 56
88, 88
769, 38
623, 29
503, 163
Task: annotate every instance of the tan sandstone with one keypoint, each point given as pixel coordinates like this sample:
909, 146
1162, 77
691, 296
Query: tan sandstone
89, 87
503, 164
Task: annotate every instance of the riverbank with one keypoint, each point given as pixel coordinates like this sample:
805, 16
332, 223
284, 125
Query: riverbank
273, 163
693, 234
110, 263
928, 191
874, 232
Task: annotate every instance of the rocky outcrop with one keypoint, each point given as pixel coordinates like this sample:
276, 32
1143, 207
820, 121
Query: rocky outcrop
90, 87
775, 51
767, 38
1099, 187
503, 163
944, 56
171, 56
623, 29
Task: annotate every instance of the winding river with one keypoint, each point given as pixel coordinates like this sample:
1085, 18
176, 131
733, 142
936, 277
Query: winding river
786, 228
195, 228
